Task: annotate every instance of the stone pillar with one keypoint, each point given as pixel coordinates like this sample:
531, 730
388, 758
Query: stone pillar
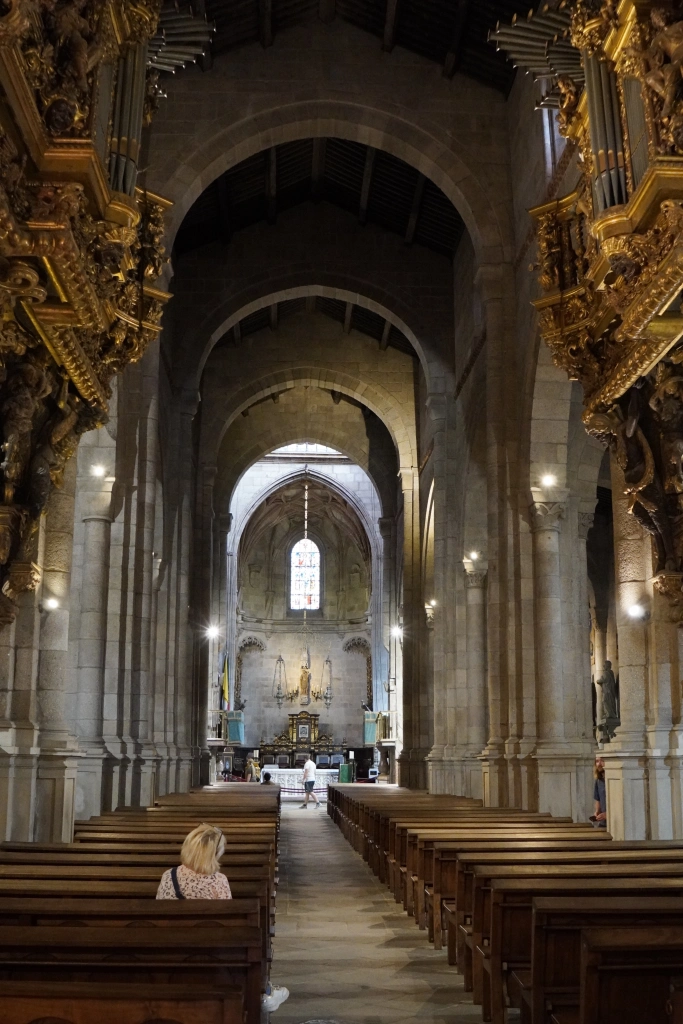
93, 791
562, 753
625, 764
583, 653
186, 712
387, 529
202, 605
412, 770
475, 596
58, 757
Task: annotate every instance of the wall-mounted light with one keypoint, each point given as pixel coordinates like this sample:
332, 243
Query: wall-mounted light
432, 603
474, 555
636, 611
548, 480
397, 632
98, 471
49, 605
212, 633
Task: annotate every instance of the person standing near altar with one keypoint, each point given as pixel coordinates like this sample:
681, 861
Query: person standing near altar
309, 783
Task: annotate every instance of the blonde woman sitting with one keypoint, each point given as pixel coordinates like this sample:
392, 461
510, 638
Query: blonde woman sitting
199, 877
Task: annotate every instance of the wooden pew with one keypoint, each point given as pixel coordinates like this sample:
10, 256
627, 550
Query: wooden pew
477, 952
626, 975
510, 916
552, 979
192, 957
97, 1003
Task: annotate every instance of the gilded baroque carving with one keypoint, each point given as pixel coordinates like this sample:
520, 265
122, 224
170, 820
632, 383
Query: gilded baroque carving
78, 299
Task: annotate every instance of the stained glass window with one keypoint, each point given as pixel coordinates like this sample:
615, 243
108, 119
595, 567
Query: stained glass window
305, 578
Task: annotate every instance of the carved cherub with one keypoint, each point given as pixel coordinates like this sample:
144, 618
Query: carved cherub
74, 37
569, 100
665, 58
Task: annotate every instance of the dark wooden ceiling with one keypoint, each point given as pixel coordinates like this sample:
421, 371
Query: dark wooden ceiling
374, 186
453, 33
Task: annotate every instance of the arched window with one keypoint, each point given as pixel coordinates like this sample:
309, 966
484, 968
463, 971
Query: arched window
304, 586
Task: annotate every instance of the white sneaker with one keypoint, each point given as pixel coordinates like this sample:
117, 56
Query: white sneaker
278, 995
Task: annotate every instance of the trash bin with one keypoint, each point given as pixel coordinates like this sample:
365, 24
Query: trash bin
345, 773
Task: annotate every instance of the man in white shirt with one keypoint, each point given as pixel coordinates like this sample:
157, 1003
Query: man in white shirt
309, 783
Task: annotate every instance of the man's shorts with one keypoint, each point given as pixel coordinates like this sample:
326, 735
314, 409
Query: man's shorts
309, 786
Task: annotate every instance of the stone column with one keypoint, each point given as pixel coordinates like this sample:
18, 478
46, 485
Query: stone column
94, 781
625, 766
583, 660
202, 605
185, 711
563, 755
387, 529
475, 596
58, 758
412, 772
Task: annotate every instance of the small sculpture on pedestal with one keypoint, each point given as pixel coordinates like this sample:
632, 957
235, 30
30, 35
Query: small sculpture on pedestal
610, 716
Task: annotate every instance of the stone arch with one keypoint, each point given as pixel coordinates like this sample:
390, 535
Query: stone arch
377, 399
282, 286
448, 167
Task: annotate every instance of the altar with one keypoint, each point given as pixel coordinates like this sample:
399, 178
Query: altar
290, 781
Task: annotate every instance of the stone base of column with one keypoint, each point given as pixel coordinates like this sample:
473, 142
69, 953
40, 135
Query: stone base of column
144, 770
565, 781
494, 775
412, 768
626, 787
183, 770
55, 797
17, 797
165, 769
94, 783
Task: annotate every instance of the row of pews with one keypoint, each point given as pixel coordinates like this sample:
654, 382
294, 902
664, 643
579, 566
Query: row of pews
83, 940
537, 913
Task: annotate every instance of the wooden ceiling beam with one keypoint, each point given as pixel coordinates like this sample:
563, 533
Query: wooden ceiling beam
390, 26
386, 331
327, 10
415, 209
367, 182
454, 55
348, 313
265, 22
271, 185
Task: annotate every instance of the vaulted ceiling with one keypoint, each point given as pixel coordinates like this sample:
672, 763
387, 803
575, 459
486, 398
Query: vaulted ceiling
373, 185
451, 32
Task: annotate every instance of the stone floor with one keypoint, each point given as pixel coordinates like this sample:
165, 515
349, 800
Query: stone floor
345, 950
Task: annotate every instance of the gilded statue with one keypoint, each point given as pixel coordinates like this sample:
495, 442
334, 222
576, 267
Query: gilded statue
569, 101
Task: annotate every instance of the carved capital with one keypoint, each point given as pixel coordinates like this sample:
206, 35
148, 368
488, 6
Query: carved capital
585, 523
475, 580
547, 515
670, 586
386, 527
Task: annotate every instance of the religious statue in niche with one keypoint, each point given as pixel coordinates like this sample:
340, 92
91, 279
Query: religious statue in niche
305, 677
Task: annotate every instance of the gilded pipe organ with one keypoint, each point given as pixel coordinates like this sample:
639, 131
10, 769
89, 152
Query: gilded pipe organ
80, 244
610, 264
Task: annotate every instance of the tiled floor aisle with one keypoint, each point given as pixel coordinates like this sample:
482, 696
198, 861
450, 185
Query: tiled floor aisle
343, 947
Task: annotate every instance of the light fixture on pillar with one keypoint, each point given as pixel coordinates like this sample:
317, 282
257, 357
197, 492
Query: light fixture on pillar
51, 604
212, 633
474, 556
548, 480
430, 609
636, 611
98, 471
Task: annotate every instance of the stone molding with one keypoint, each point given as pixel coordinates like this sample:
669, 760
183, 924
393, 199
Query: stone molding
475, 579
251, 641
547, 515
585, 523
